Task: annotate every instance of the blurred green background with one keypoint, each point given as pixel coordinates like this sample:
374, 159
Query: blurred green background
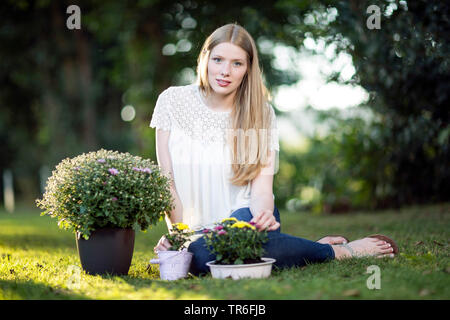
64, 92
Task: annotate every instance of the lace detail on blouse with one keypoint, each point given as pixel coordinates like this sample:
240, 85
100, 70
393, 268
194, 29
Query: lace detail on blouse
181, 107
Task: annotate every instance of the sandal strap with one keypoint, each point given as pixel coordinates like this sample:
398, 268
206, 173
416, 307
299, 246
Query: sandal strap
346, 246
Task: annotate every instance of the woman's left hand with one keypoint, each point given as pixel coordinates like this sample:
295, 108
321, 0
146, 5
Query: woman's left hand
265, 220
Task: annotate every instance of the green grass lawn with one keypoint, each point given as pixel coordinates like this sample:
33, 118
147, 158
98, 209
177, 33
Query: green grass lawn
39, 261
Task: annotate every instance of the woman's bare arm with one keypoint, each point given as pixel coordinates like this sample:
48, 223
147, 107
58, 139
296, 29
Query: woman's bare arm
165, 163
262, 203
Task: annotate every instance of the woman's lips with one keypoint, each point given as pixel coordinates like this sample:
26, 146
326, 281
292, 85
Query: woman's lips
222, 83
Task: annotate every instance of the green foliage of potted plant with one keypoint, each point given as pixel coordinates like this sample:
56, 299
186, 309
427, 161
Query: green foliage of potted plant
239, 251
179, 236
104, 196
174, 263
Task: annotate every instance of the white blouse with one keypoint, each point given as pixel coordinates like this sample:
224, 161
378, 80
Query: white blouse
201, 159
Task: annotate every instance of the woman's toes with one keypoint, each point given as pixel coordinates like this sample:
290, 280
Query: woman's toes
377, 242
388, 250
389, 255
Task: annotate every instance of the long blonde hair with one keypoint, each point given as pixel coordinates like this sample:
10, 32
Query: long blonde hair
251, 115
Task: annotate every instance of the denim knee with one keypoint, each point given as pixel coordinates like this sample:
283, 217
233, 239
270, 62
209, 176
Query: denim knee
244, 214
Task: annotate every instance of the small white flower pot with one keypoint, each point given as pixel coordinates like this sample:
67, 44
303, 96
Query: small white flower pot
241, 271
173, 265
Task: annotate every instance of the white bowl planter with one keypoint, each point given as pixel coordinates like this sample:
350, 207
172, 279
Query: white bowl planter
241, 271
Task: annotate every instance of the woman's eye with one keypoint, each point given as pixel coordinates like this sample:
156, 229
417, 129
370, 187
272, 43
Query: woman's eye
238, 64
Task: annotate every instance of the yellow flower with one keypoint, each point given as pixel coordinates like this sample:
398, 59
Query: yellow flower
229, 219
181, 226
243, 224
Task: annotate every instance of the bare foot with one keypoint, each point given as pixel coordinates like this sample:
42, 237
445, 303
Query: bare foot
332, 240
363, 248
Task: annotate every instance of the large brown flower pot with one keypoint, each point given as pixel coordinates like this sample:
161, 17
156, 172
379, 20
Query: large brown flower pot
107, 251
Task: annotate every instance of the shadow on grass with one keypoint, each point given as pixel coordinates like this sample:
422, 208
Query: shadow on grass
144, 279
37, 241
30, 290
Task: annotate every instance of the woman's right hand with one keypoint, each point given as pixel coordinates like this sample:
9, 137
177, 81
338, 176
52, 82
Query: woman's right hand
163, 245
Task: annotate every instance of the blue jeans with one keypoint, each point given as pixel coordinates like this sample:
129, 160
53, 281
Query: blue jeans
287, 250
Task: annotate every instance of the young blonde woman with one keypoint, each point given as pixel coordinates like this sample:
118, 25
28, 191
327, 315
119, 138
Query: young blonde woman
218, 140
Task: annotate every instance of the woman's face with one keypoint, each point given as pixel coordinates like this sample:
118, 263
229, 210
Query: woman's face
227, 66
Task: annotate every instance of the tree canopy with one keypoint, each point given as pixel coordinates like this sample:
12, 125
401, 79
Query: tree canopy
62, 90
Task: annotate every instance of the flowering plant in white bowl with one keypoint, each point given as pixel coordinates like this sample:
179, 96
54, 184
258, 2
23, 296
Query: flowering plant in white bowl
235, 242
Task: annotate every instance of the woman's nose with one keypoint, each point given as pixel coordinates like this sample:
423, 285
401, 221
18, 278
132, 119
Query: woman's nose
225, 69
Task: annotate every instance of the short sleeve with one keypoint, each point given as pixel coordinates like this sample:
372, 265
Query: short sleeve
161, 118
274, 136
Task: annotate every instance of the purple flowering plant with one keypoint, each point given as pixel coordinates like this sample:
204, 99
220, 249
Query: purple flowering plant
106, 189
235, 242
